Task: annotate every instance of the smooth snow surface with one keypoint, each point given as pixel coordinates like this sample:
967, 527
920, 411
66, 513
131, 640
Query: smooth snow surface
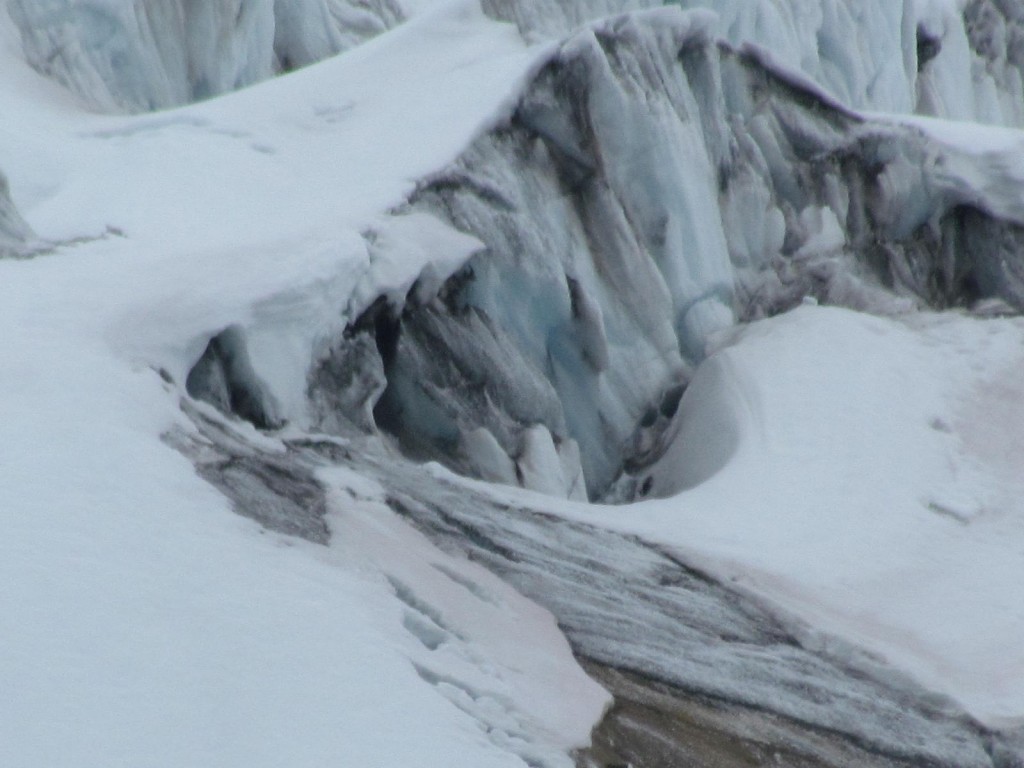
142, 622
866, 475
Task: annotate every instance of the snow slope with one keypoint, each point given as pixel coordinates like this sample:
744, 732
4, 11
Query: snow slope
865, 475
144, 623
859, 474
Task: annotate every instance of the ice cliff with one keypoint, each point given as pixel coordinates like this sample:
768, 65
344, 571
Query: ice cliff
954, 60
960, 60
652, 187
145, 55
659, 180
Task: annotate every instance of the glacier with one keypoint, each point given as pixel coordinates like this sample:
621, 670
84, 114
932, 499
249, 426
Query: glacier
143, 55
960, 60
501, 334
724, 197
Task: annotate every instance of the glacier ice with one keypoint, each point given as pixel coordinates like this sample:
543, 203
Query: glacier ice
15, 233
306, 31
952, 60
145, 55
651, 188
933, 57
553, 18
536, 311
224, 377
939, 58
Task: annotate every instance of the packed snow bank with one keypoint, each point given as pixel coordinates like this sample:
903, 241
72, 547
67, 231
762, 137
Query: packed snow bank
144, 622
867, 478
497, 657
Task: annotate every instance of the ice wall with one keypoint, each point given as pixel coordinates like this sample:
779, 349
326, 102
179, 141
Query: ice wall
934, 57
557, 18
651, 188
960, 60
978, 73
139, 55
862, 51
307, 31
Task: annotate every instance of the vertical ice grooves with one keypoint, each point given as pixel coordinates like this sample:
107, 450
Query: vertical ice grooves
651, 185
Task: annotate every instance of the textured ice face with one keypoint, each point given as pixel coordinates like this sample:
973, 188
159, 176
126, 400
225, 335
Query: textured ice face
651, 188
557, 18
14, 231
861, 51
139, 55
933, 57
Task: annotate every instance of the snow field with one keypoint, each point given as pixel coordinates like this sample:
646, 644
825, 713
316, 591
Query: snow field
143, 622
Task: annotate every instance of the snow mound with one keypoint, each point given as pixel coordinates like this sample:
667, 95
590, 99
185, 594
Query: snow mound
865, 475
145, 622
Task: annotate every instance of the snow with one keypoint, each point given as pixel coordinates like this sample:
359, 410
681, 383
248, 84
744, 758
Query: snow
275, 183
860, 475
864, 475
144, 623
981, 165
